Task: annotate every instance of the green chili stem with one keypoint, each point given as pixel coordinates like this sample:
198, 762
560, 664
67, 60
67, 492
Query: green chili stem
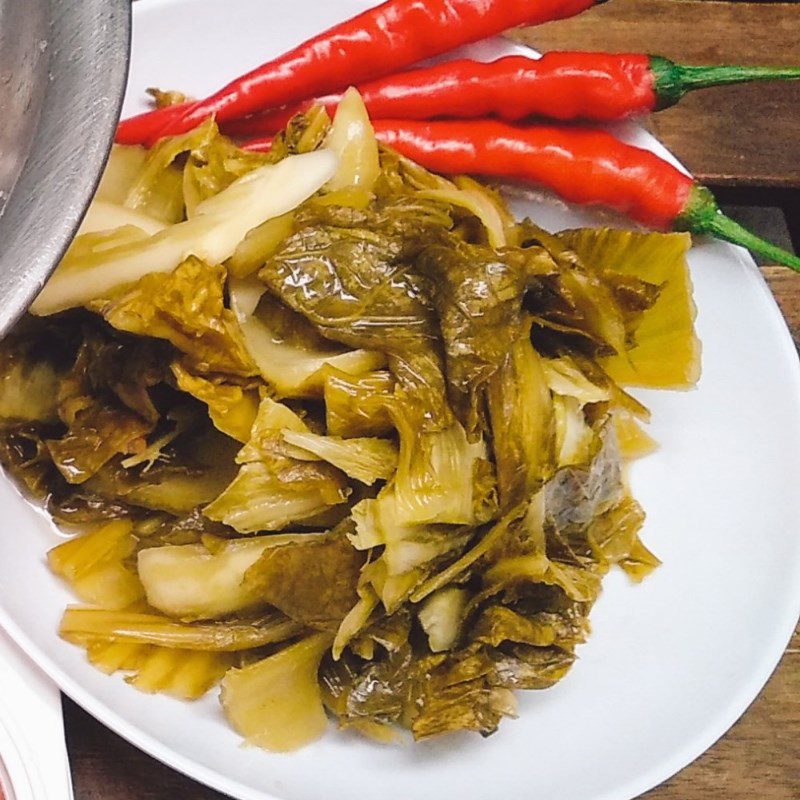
703, 216
673, 81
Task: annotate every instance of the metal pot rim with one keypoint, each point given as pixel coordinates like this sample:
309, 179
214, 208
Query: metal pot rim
86, 59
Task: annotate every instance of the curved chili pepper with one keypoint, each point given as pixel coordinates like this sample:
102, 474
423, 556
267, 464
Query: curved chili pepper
560, 85
581, 165
379, 41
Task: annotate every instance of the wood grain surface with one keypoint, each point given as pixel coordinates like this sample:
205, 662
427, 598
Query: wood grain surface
743, 137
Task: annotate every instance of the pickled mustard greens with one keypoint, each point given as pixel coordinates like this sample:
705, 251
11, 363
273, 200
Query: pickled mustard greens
338, 433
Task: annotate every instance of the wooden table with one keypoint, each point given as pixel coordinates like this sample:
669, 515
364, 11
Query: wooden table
743, 141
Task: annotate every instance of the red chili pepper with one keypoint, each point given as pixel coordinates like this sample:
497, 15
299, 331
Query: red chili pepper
585, 166
380, 41
560, 85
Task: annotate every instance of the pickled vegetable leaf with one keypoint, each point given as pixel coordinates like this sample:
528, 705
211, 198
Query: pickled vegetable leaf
92, 625
522, 419
441, 617
459, 692
436, 473
276, 703
366, 459
273, 489
185, 307
291, 356
666, 350
184, 674
576, 299
94, 564
125, 163
158, 187
313, 581
29, 381
213, 164
212, 235
352, 138
523, 667
344, 429
96, 435
478, 296
232, 408
358, 405
353, 283
190, 582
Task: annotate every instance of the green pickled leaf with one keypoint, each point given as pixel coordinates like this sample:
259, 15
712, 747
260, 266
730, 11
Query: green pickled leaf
214, 163
158, 188
28, 389
377, 691
436, 473
25, 457
664, 350
523, 426
498, 624
576, 299
347, 273
96, 435
614, 539
379, 522
260, 245
358, 405
356, 619
458, 692
478, 296
304, 134
198, 469
290, 355
185, 307
523, 667
270, 496
313, 581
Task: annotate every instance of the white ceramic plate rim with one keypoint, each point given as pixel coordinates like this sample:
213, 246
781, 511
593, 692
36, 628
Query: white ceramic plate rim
782, 628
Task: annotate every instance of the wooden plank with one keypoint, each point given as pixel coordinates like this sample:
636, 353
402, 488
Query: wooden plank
730, 136
106, 767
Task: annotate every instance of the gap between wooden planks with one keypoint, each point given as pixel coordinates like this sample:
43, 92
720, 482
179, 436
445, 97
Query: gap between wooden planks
730, 136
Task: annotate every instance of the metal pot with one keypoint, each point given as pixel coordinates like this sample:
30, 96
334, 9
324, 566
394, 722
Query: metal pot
63, 67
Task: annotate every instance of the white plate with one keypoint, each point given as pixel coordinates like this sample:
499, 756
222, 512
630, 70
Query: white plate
671, 664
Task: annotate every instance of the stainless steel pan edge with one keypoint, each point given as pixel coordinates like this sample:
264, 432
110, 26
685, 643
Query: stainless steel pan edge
85, 54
